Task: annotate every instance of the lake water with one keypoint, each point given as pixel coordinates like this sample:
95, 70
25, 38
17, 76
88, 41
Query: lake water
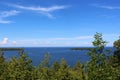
56, 54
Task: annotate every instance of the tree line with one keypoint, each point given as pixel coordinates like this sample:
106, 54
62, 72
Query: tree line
102, 66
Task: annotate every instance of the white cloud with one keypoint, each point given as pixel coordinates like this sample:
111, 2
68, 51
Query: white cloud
48, 9
6, 14
109, 7
42, 10
9, 13
14, 42
47, 14
105, 6
7, 42
4, 41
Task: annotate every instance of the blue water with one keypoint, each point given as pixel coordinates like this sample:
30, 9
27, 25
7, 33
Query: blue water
56, 54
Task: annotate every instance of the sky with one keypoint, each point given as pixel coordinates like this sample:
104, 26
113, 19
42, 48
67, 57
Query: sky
58, 23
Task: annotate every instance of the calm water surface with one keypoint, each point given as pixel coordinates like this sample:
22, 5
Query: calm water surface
56, 54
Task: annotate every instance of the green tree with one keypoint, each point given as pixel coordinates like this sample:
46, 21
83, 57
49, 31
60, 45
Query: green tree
79, 69
45, 61
98, 68
116, 58
3, 66
55, 66
19, 68
117, 51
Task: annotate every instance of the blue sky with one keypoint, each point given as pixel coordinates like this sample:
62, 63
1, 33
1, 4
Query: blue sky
45, 23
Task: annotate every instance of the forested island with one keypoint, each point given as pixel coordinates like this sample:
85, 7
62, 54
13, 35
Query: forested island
102, 66
86, 48
11, 49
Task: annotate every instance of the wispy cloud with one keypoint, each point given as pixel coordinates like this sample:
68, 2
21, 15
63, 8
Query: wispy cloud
6, 14
47, 14
4, 21
108, 16
9, 13
106, 6
48, 9
42, 10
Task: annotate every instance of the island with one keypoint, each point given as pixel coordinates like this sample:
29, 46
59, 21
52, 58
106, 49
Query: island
10, 49
84, 48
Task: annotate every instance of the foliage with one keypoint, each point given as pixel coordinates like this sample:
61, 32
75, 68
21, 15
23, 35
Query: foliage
117, 51
99, 67
18, 68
